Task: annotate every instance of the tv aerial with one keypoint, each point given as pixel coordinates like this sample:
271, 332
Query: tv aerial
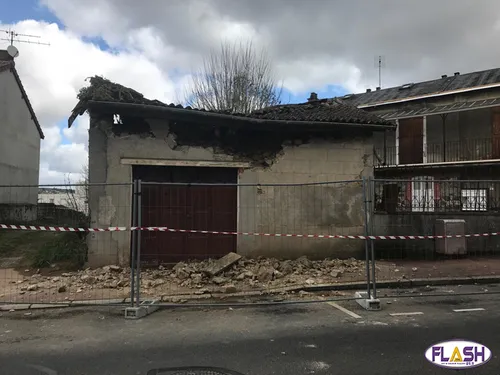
13, 36
379, 64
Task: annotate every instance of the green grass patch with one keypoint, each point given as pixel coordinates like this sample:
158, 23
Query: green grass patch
42, 249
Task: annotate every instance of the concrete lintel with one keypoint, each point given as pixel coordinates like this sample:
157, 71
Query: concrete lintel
185, 163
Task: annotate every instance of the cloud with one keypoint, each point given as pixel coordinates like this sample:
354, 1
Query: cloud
53, 76
79, 131
313, 41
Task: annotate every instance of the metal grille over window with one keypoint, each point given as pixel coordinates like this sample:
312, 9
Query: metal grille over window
474, 199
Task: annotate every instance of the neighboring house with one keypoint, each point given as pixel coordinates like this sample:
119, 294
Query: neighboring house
74, 198
131, 137
448, 133
20, 139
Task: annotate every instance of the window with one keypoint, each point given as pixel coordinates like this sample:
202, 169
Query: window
474, 199
422, 194
52, 200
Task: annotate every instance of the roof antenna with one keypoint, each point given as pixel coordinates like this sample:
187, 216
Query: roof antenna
379, 63
14, 37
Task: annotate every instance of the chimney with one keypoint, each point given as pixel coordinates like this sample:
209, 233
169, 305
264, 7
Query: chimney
456, 73
313, 97
368, 90
378, 88
444, 76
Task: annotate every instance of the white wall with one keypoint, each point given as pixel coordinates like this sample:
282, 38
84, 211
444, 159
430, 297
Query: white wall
19, 145
75, 202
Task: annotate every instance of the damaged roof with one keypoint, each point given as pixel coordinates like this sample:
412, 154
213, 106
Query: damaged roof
322, 110
446, 85
10, 65
102, 94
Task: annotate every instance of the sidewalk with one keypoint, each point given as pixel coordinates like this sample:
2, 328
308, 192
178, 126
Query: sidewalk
414, 269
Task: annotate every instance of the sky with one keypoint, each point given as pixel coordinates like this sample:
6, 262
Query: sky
326, 46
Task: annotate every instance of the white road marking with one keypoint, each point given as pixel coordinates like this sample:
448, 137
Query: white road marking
468, 310
407, 313
310, 346
344, 310
44, 370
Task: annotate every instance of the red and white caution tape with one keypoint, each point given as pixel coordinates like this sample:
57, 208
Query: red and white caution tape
167, 229
65, 229
355, 237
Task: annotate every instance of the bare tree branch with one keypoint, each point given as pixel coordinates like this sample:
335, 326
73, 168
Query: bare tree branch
77, 195
235, 78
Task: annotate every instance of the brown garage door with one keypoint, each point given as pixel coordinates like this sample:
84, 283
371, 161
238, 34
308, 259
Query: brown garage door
205, 207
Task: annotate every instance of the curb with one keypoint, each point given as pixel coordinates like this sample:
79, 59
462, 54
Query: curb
387, 284
39, 306
407, 283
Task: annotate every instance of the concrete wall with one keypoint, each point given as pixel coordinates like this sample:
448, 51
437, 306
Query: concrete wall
335, 208
19, 145
75, 200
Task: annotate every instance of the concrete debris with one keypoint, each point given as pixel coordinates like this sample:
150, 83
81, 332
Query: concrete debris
222, 264
336, 273
231, 289
197, 277
219, 280
115, 268
265, 273
32, 288
286, 267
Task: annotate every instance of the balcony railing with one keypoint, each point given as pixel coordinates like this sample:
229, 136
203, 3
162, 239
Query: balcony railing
453, 151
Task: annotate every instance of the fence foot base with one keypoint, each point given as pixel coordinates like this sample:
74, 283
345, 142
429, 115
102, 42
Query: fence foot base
370, 304
144, 309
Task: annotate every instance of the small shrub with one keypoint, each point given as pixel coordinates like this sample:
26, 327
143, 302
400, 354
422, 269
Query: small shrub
68, 247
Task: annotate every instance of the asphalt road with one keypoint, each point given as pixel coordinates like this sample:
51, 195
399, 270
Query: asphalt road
296, 339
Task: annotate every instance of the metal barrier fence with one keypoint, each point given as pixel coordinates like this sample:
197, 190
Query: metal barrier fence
166, 242
467, 211
290, 236
47, 248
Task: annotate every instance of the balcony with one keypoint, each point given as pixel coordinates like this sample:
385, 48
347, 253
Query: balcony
452, 151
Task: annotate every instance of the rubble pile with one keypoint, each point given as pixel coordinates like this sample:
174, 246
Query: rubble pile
260, 272
198, 276
108, 277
